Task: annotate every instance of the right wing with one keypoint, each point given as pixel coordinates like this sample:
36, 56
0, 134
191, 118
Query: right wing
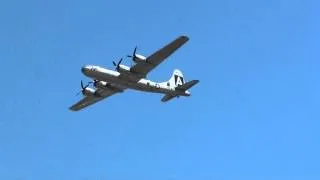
156, 58
89, 100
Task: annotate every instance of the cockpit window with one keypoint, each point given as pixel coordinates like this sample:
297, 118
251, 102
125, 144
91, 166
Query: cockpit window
168, 83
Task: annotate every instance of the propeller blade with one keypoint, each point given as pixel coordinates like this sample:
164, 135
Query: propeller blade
82, 84
83, 87
119, 62
135, 50
133, 54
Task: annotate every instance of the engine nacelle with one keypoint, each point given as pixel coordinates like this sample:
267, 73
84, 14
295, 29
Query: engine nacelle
100, 84
139, 58
107, 86
103, 85
88, 92
124, 69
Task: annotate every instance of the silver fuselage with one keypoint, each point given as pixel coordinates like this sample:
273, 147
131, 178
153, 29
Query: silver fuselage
129, 80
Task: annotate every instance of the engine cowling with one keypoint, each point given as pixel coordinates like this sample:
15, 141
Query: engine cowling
139, 58
124, 69
88, 92
100, 84
107, 86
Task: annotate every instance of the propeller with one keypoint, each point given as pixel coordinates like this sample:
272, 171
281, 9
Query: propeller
83, 88
117, 64
94, 82
133, 56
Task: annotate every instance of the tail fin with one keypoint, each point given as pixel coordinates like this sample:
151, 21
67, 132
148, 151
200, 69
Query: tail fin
176, 79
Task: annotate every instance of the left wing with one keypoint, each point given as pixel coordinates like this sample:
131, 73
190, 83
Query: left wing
156, 58
167, 97
86, 101
89, 100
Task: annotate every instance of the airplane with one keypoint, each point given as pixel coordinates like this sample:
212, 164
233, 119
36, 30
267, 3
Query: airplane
109, 82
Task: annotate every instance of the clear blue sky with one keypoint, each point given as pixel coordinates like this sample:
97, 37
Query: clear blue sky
254, 115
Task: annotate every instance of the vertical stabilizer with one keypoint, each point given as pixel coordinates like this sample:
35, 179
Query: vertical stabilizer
180, 86
176, 78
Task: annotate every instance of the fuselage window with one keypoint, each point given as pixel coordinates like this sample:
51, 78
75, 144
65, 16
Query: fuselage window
168, 83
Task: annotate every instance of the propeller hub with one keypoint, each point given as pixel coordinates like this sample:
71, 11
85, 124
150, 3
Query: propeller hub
117, 65
83, 88
133, 56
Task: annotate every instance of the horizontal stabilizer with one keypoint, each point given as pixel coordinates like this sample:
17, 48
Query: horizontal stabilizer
167, 97
187, 85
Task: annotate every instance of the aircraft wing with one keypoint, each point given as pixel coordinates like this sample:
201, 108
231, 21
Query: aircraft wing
156, 58
167, 97
89, 100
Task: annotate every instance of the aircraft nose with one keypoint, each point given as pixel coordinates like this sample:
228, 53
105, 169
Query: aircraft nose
85, 69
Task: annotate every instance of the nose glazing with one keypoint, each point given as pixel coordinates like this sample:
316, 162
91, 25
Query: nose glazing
85, 69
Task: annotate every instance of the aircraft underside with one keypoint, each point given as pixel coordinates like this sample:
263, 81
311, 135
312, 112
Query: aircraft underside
108, 82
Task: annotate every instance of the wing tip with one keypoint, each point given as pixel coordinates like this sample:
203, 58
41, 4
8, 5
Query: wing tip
72, 109
184, 37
